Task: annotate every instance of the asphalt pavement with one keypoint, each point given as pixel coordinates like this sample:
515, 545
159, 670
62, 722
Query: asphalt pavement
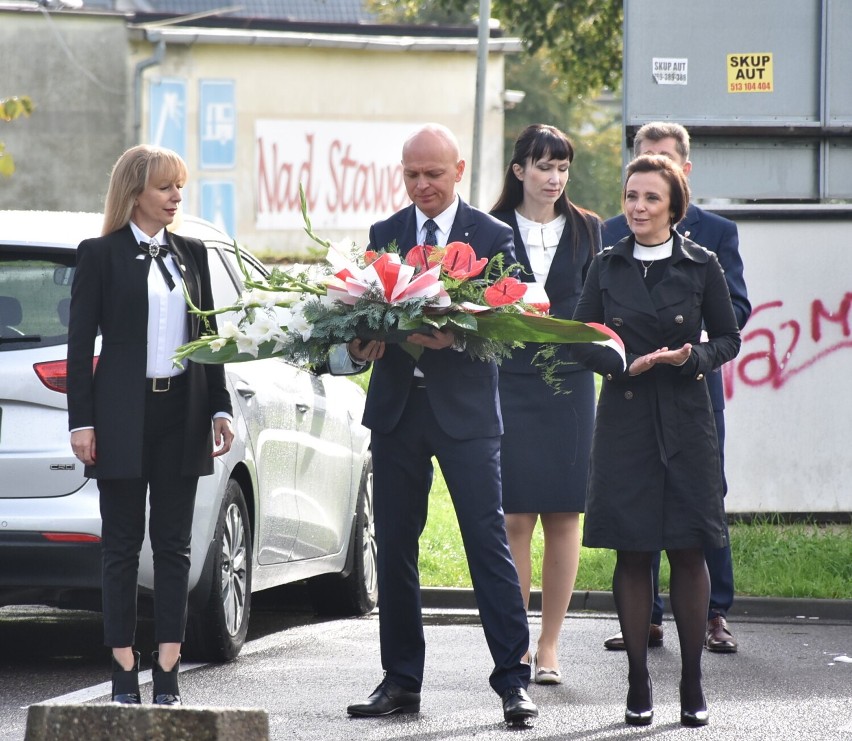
791, 678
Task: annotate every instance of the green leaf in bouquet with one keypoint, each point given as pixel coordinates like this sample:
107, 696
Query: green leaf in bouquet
532, 328
463, 321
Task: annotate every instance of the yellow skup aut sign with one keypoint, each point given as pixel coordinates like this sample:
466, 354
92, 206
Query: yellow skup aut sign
750, 73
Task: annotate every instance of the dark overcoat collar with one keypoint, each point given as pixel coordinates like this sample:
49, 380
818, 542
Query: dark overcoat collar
623, 276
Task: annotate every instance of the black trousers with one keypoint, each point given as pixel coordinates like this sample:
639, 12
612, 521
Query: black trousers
172, 501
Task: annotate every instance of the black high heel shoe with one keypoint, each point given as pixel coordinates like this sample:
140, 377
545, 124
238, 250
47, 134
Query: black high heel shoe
693, 718
640, 717
125, 683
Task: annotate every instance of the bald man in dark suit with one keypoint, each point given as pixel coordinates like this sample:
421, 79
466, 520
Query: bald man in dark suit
444, 404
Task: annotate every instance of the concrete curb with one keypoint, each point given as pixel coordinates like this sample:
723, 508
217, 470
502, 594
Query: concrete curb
775, 608
48, 722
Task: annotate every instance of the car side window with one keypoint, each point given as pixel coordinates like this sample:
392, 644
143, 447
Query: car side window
225, 290
35, 294
227, 279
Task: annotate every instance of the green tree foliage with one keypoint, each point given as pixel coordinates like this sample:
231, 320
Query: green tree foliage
594, 127
582, 39
10, 109
573, 60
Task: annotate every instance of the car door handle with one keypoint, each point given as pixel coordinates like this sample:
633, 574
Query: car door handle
302, 406
245, 391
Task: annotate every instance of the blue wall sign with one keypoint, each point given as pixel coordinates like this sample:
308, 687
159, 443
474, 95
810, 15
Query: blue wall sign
218, 124
167, 121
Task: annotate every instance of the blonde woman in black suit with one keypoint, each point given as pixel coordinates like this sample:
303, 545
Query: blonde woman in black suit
137, 422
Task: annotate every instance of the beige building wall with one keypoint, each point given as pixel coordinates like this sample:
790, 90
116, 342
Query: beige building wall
284, 83
75, 69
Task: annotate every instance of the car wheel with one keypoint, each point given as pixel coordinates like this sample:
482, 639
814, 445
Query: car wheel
356, 592
217, 632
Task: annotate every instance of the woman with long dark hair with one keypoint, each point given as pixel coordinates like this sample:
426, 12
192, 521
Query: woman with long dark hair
547, 439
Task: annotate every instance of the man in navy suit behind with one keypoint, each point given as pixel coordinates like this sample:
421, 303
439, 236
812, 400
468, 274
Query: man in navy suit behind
443, 404
718, 235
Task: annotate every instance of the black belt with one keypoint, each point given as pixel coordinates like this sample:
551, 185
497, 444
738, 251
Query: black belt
166, 383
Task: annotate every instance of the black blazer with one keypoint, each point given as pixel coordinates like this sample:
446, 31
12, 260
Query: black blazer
110, 292
462, 391
563, 286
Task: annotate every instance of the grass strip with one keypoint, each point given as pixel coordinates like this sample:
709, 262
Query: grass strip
771, 559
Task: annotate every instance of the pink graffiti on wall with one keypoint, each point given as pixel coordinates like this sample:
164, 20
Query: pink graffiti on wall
776, 347
350, 185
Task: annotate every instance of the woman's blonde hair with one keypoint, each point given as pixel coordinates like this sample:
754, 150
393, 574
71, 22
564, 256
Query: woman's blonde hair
131, 175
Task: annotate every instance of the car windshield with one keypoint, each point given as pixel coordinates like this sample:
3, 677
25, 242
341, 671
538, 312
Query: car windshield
35, 294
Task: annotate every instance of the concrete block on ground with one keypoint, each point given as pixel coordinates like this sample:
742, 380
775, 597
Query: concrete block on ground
108, 722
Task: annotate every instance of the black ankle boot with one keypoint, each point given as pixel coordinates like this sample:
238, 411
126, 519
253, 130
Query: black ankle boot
166, 690
125, 684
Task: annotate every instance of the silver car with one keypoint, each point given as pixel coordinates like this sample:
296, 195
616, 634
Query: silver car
291, 501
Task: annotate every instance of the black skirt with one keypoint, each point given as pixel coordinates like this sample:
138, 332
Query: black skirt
546, 442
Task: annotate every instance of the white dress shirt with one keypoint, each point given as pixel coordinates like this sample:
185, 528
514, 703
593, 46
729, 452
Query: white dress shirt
444, 220
540, 241
167, 325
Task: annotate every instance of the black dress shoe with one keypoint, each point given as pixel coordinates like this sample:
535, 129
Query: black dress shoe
634, 718
645, 695
517, 706
386, 699
166, 690
719, 639
693, 718
655, 639
125, 684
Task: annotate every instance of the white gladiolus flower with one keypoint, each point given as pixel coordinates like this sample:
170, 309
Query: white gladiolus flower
229, 331
247, 344
263, 328
298, 323
218, 344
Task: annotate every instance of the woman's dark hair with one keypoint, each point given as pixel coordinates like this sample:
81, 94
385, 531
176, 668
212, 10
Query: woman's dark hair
537, 142
671, 172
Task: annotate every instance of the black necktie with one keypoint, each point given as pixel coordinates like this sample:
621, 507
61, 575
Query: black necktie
156, 251
431, 235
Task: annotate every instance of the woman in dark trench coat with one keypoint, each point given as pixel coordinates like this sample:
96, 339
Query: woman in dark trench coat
655, 480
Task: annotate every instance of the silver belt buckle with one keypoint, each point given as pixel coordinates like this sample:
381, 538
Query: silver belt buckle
156, 387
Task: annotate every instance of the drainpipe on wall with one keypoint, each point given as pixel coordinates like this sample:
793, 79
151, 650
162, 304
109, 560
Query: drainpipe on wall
155, 59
